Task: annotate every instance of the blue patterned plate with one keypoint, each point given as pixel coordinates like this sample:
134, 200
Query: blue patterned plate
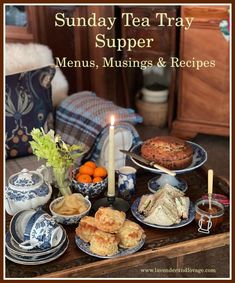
199, 158
36, 261
140, 217
14, 248
85, 247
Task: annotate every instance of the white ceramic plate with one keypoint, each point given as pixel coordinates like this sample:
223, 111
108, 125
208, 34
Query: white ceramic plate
140, 217
85, 247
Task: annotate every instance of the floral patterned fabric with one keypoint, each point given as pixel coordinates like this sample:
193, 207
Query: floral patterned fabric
28, 105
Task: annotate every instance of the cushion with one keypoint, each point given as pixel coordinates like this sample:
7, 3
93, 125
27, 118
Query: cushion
23, 57
83, 118
15, 165
28, 104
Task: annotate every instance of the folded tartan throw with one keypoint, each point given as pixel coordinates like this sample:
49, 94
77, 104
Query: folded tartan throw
83, 118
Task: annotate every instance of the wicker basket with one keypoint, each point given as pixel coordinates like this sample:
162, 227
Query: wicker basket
154, 114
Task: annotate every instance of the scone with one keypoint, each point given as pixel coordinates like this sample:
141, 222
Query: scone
170, 152
109, 220
104, 244
86, 228
130, 234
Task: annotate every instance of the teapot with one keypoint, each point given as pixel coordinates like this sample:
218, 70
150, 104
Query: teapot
27, 190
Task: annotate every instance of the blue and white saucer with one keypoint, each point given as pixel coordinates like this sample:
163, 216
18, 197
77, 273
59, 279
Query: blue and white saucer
85, 247
154, 184
140, 217
28, 260
14, 249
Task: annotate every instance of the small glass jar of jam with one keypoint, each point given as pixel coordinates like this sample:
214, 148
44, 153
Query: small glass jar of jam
208, 218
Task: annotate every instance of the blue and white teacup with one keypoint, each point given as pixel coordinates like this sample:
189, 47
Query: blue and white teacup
41, 231
126, 181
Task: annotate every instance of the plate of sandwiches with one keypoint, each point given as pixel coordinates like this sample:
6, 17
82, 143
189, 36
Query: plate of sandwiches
168, 208
109, 234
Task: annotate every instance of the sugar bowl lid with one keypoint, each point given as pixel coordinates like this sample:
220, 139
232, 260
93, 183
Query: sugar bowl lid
25, 179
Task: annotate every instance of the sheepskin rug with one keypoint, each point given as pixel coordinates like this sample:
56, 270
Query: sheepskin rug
23, 57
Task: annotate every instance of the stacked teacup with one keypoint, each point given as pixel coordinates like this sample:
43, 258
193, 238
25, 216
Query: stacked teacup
35, 238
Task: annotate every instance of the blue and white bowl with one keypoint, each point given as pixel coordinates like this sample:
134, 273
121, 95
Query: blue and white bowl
68, 219
27, 190
90, 189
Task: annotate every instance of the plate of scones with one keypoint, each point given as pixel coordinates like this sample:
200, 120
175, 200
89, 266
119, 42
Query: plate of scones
109, 234
170, 152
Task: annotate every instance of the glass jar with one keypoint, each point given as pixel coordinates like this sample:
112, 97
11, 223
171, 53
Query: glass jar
208, 219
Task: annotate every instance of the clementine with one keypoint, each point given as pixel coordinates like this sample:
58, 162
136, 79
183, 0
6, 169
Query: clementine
90, 164
100, 172
97, 180
84, 178
87, 170
77, 175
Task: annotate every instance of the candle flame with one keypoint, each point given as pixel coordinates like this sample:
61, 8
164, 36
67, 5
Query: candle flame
112, 120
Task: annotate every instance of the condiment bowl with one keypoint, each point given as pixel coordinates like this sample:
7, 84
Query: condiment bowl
68, 219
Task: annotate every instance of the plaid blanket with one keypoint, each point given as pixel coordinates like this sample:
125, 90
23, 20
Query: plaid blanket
83, 118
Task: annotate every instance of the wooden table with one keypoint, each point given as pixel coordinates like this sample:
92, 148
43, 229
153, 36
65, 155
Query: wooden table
159, 243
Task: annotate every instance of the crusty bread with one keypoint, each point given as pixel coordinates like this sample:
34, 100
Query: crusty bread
170, 152
104, 244
130, 234
86, 228
109, 220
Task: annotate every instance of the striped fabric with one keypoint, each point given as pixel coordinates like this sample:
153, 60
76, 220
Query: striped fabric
83, 118
15, 165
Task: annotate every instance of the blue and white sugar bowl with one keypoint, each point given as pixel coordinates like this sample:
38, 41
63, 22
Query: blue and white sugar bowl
27, 190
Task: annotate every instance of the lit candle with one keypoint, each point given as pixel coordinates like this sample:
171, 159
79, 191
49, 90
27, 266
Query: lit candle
111, 169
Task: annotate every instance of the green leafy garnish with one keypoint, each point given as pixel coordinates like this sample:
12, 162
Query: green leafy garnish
56, 152
51, 147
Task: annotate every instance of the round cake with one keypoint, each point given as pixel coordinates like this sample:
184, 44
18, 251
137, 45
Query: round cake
169, 152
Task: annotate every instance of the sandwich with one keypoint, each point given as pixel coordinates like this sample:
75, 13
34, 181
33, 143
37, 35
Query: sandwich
165, 207
167, 200
182, 204
163, 216
146, 203
172, 191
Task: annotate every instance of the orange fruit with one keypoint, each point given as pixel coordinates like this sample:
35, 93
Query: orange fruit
77, 175
83, 178
97, 180
90, 164
87, 170
100, 172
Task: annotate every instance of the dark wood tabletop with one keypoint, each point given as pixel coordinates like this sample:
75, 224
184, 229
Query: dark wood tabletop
159, 242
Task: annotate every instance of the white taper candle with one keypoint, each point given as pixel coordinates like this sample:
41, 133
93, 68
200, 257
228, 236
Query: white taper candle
111, 164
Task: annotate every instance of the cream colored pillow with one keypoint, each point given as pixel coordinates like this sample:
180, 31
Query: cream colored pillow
23, 57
